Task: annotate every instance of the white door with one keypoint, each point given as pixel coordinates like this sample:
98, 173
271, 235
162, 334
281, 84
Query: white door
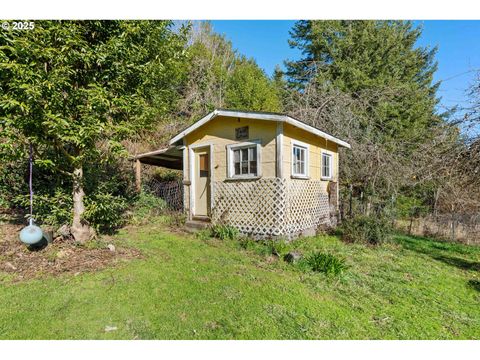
202, 182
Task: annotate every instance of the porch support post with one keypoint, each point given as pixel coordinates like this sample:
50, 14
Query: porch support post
279, 150
138, 175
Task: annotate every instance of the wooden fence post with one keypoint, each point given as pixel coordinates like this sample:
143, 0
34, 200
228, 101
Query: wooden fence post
138, 175
453, 227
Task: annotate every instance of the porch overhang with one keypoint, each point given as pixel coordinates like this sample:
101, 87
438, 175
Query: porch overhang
170, 158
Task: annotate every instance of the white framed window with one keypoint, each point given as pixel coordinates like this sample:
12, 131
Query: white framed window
244, 160
300, 155
327, 165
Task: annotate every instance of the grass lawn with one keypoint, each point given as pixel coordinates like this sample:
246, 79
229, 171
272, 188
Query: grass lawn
188, 288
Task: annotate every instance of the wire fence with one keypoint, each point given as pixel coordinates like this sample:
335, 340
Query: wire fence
170, 191
454, 227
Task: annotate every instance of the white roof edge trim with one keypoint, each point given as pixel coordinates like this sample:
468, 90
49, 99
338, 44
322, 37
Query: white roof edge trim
155, 152
318, 132
252, 115
193, 127
259, 116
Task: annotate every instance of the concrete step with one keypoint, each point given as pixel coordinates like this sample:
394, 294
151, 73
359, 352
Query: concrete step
196, 225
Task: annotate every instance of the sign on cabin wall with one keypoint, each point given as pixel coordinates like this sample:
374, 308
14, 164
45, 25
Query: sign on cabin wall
241, 133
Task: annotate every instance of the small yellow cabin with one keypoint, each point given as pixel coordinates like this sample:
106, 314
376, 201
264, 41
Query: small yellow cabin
267, 174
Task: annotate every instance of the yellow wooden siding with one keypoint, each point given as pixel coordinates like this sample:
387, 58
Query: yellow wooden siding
221, 132
316, 145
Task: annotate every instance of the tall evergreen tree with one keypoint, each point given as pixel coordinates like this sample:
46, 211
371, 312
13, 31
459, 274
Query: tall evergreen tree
69, 86
376, 60
249, 88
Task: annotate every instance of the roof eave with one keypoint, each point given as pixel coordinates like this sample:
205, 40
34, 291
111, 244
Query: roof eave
260, 116
311, 129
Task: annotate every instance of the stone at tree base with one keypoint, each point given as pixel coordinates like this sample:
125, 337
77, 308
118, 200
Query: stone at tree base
64, 253
48, 235
10, 265
292, 257
63, 231
82, 232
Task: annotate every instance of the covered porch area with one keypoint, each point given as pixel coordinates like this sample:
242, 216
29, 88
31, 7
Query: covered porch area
169, 158
170, 189
174, 192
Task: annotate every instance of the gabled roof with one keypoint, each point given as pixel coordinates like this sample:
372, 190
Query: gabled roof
258, 116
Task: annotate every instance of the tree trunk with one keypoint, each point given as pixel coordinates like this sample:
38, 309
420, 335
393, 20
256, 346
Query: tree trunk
454, 223
81, 231
368, 207
435, 204
350, 210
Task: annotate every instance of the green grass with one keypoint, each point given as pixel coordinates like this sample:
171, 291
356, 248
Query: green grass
196, 288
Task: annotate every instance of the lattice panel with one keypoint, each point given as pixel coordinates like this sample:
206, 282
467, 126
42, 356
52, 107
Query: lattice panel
254, 207
271, 206
307, 205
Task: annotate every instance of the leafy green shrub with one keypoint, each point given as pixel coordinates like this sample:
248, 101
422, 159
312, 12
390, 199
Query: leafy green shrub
322, 262
108, 186
366, 229
105, 211
225, 232
162, 174
48, 209
147, 205
12, 183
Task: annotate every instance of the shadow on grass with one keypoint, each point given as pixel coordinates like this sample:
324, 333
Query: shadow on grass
459, 262
474, 284
442, 251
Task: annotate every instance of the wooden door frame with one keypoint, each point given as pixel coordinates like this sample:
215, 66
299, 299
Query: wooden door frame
191, 168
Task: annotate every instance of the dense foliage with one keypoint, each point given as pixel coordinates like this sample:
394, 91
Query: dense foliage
76, 89
373, 230
370, 83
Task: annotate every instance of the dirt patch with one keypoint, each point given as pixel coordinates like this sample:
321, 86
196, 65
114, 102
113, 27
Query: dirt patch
59, 257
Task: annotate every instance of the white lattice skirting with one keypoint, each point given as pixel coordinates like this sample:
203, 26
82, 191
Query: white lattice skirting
271, 206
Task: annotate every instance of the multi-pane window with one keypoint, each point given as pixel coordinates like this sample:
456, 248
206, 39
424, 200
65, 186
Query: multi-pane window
299, 160
245, 161
326, 166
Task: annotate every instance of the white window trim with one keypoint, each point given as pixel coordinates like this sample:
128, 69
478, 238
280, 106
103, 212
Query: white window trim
307, 160
329, 153
230, 164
